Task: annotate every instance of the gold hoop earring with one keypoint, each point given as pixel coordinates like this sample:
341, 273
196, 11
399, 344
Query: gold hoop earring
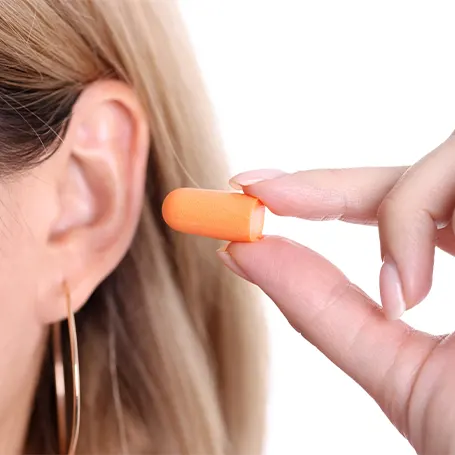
60, 386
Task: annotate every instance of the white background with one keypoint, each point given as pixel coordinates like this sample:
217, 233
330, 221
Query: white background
308, 84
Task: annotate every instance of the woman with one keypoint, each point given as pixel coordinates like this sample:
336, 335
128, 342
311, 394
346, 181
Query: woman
102, 113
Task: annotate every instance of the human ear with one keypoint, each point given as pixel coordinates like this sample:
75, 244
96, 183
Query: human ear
99, 174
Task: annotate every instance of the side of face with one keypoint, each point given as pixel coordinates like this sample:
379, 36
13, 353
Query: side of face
71, 219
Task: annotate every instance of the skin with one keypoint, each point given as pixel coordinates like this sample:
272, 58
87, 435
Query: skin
410, 374
69, 220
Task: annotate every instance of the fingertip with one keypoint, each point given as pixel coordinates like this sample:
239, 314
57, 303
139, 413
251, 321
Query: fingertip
228, 260
391, 289
234, 185
249, 178
418, 292
400, 289
416, 273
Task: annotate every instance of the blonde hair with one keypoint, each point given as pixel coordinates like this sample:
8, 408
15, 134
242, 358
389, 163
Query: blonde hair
171, 346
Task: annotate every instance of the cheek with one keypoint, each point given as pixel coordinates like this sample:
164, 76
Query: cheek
18, 271
22, 252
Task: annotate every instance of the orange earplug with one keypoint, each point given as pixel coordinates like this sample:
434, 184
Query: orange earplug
220, 215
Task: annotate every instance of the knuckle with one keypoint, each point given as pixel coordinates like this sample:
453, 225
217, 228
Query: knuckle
331, 299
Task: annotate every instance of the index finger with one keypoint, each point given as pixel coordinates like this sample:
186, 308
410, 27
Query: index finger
352, 195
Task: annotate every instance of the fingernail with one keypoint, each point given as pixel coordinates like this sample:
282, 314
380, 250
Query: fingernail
391, 288
230, 263
252, 177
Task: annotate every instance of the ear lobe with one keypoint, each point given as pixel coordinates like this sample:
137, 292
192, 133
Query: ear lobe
100, 189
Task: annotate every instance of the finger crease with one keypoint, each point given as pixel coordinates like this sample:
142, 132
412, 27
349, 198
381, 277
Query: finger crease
334, 298
388, 373
414, 382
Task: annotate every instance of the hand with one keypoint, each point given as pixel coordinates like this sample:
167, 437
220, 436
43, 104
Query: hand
409, 373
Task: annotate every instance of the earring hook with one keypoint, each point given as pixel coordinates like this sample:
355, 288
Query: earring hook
60, 387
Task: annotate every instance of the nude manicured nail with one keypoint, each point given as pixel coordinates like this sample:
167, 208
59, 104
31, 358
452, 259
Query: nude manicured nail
252, 177
392, 297
230, 263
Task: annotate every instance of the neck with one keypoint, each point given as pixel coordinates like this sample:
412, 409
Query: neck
20, 366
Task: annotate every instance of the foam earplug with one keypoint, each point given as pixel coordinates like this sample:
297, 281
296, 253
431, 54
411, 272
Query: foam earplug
222, 215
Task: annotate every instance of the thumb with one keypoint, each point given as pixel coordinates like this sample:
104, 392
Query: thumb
337, 317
